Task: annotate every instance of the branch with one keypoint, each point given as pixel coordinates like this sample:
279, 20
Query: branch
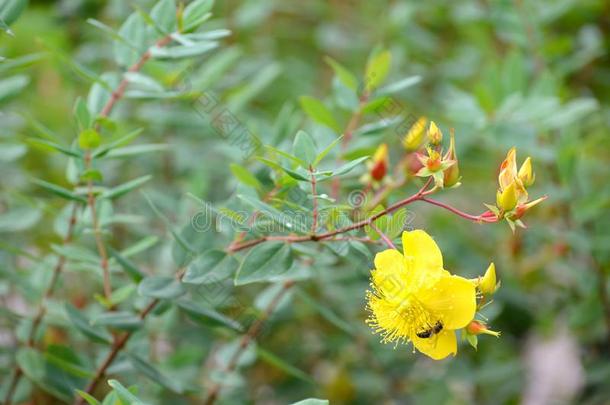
116, 95
475, 218
327, 235
383, 236
118, 345
250, 335
42, 306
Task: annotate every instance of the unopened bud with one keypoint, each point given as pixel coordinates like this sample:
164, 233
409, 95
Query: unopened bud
434, 134
487, 283
479, 328
507, 199
508, 169
380, 163
452, 174
526, 174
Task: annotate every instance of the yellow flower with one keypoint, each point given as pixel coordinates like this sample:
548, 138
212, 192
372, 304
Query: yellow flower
413, 299
507, 199
415, 136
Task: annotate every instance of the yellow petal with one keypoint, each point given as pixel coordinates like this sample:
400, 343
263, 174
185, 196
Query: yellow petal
389, 273
452, 300
421, 250
437, 346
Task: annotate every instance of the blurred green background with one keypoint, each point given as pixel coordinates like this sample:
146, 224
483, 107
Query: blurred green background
524, 73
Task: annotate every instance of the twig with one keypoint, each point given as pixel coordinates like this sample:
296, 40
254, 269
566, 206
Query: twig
118, 345
383, 236
42, 307
327, 235
250, 335
116, 95
475, 218
314, 195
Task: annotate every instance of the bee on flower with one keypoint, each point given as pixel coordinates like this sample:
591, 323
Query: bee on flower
414, 299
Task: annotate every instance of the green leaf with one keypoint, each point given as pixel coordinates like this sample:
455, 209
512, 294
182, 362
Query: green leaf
207, 316
195, 13
326, 150
284, 220
114, 35
49, 145
82, 324
60, 191
264, 262
134, 32
164, 16
345, 76
10, 10
124, 394
130, 268
67, 360
312, 401
90, 399
263, 78
279, 363
346, 168
161, 287
318, 112
243, 175
89, 139
304, 148
124, 140
125, 188
296, 175
12, 86
46, 375
19, 219
82, 114
136, 150
377, 70
183, 51
399, 85
326, 313
155, 375
211, 267
122, 320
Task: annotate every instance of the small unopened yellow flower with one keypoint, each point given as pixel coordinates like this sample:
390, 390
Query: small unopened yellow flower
452, 174
414, 299
434, 134
487, 284
415, 135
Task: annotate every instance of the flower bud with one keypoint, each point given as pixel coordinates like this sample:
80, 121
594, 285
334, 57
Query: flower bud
434, 134
508, 169
525, 173
507, 199
452, 174
415, 136
479, 328
487, 283
380, 163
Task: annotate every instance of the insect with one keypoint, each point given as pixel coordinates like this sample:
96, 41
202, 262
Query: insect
438, 326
